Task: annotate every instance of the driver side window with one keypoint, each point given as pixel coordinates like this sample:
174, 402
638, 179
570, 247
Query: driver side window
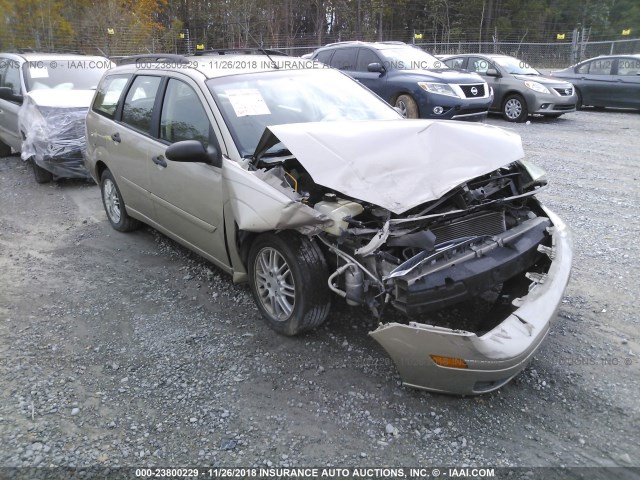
183, 116
479, 65
11, 77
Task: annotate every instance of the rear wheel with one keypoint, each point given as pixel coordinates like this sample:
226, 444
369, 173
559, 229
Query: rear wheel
41, 175
288, 278
407, 106
114, 205
514, 109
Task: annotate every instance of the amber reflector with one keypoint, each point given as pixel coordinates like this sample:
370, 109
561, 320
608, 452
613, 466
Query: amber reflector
449, 361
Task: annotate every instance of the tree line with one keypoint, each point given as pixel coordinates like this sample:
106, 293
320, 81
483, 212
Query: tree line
116, 27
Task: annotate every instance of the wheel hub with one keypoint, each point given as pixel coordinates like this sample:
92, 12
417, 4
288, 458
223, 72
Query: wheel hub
274, 283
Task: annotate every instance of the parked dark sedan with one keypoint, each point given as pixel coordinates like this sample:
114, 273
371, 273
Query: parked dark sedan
607, 81
410, 79
519, 89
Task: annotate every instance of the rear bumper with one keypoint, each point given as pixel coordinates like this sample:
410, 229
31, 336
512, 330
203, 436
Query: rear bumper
493, 358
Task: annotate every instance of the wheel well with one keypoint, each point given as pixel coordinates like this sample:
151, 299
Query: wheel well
100, 167
409, 94
244, 241
513, 92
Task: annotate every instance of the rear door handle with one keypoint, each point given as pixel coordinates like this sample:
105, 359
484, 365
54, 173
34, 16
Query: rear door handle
116, 137
159, 160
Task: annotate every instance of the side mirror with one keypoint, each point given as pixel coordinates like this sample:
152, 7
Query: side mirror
194, 151
492, 72
375, 67
7, 94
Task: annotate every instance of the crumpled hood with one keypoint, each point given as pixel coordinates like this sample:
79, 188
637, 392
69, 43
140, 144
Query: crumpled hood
397, 164
62, 98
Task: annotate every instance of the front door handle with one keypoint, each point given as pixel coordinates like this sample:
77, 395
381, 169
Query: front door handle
159, 160
116, 137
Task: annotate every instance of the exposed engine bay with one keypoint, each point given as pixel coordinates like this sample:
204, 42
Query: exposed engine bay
485, 234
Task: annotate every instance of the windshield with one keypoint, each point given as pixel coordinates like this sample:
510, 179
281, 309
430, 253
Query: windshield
65, 74
251, 102
515, 67
410, 58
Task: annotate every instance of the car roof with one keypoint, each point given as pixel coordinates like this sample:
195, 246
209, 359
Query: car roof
488, 55
214, 66
376, 45
37, 56
618, 55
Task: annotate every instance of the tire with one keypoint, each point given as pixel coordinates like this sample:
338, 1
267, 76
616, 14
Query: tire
408, 106
514, 109
299, 265
5, 150
114, 205
41, 175
579, 100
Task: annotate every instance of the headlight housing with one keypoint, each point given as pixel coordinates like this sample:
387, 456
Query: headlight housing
536, 87
438, 88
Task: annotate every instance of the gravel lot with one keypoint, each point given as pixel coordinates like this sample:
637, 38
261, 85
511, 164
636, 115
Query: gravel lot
125, 349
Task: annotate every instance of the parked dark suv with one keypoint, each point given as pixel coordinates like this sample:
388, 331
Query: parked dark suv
410, 79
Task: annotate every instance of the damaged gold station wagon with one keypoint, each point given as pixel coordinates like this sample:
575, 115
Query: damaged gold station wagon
295, 178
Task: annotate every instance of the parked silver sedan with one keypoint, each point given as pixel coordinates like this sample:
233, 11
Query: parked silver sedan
519, 90
300, 181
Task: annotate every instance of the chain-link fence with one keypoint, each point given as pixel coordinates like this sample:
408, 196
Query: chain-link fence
541, 55
131, 40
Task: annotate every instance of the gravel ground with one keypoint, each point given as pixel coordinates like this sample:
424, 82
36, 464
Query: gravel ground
127, 350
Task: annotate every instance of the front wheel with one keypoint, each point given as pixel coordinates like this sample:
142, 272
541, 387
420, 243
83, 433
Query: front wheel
514, 109
288, 278
578, 100
407, 106
41, 175
5, 150
114, 205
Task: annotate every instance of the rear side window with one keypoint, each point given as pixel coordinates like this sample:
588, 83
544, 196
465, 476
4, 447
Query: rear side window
628, 66
344, 59
183, 116
109, 92
138, 104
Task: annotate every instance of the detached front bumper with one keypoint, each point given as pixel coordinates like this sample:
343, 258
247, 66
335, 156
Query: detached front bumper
493, 358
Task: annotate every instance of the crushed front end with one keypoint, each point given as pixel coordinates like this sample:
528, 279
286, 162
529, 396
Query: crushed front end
54, 138
450, 249
487, 247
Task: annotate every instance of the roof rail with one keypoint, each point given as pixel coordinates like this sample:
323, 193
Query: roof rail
346, 42
153, 58
241, 51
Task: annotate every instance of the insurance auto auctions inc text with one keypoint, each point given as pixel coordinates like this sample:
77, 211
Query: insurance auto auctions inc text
349, 473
